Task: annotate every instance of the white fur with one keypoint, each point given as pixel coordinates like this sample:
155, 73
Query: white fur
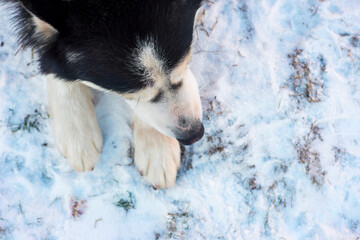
157, 157
189, 97
164, 116
148, 58
74, 124
94, 86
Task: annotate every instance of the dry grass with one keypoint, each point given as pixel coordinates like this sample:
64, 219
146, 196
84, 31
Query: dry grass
309, 157
339, 154
77, 207
355, 41
200, 24
217, 145
213, 108
178, 224
217, 142
304, 83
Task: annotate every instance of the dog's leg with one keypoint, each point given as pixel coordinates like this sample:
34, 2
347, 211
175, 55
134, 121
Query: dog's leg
157, 157
74, 124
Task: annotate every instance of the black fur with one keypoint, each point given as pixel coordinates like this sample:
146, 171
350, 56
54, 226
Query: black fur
106, 33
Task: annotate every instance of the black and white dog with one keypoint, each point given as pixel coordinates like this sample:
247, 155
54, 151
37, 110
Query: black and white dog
138, 49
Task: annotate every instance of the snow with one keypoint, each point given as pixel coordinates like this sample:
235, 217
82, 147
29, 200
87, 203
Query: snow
279, 81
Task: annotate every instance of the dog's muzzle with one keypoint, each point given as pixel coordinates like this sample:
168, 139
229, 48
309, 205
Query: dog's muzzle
194, 135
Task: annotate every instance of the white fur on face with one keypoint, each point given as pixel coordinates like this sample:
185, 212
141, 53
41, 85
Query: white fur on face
174, 104
164, 115
74, 124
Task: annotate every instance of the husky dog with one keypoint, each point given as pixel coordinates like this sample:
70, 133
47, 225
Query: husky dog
138, 49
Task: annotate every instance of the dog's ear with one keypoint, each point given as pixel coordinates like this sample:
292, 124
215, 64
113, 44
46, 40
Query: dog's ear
52, 12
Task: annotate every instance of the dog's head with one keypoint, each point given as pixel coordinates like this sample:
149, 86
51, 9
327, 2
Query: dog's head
139, 49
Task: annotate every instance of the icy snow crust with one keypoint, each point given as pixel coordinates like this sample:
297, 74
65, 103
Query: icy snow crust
280, 87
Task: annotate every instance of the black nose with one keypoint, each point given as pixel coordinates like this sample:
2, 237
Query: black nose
194, 137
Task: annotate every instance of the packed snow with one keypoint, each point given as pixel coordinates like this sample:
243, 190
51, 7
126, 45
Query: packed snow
280, 159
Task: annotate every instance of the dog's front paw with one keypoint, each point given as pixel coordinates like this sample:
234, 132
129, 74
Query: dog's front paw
157, 157
81, 146
74, 124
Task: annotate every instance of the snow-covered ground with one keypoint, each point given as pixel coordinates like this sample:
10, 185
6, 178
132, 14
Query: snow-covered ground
280, 86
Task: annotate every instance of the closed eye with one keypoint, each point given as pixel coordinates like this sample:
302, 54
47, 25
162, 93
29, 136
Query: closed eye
176, 86
158, 97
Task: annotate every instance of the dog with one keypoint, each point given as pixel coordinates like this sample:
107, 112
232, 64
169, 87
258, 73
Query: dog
137, 49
